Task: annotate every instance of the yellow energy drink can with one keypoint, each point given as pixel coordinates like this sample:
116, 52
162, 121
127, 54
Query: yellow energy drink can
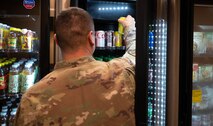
118, 39
120, 26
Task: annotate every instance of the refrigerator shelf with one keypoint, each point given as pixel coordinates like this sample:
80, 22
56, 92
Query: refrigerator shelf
203, 59
203, 83
202, 112
20, 54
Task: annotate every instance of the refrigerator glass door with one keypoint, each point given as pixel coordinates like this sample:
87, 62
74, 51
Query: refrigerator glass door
151, 73
202, 92
20, 27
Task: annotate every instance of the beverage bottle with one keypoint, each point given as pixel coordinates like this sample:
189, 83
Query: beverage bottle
3, 84
12, 40
13, 85
19, 39
1, 37
3, 100
3, 118
6, 36
27, 40
27, 77
11, 118
35, 62
6, 68
35, 43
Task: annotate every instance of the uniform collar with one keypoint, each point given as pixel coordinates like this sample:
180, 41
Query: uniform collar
74, 62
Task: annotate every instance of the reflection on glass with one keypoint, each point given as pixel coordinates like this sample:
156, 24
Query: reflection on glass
202, 74
157, 73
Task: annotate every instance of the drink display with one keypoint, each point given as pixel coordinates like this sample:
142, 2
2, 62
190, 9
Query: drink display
14, 39
110, 38
24, 41
16, 76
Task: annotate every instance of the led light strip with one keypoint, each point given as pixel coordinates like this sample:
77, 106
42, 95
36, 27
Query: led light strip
157, 69
112, 8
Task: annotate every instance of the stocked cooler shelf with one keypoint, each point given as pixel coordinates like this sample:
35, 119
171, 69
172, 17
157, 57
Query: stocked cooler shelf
202, 112
204, 83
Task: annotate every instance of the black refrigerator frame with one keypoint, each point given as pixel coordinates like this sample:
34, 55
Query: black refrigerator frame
44, 56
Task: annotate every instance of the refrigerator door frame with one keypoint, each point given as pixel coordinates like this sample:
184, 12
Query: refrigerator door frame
173, 62
44, 56
186, 58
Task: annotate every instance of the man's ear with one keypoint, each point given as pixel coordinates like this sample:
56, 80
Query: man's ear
91, 38
55, 39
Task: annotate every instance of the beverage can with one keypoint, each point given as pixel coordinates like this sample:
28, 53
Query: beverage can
100, 38
118, 39
120, 26
109, 38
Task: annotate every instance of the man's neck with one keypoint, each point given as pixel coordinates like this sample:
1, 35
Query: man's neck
75, 54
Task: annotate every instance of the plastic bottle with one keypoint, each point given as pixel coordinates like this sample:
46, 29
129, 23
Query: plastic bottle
3, 118
35, 44
1, 37
13, 85
6, 36
19, 39
27, 77
12, 41
2, 81
11, 117
27, 40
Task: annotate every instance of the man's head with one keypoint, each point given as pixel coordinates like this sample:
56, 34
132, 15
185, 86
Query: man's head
74, 29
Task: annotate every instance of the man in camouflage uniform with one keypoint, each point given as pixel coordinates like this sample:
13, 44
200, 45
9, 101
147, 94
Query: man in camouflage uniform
82, 91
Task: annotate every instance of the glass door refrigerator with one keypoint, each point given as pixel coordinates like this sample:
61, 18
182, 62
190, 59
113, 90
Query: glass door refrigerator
157, 53
109, 33
151, 63
24, 50
163, 61
202, 79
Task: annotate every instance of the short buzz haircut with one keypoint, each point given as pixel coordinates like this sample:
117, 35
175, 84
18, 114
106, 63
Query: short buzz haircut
72, 27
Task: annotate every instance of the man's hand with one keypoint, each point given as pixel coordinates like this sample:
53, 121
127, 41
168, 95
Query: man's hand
129, 21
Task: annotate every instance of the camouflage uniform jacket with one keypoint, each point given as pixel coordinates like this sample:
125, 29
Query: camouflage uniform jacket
81, 92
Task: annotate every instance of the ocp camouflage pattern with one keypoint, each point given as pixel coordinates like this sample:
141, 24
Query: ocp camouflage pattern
82, 92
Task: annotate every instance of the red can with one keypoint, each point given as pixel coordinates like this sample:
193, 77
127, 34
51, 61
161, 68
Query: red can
100, 38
